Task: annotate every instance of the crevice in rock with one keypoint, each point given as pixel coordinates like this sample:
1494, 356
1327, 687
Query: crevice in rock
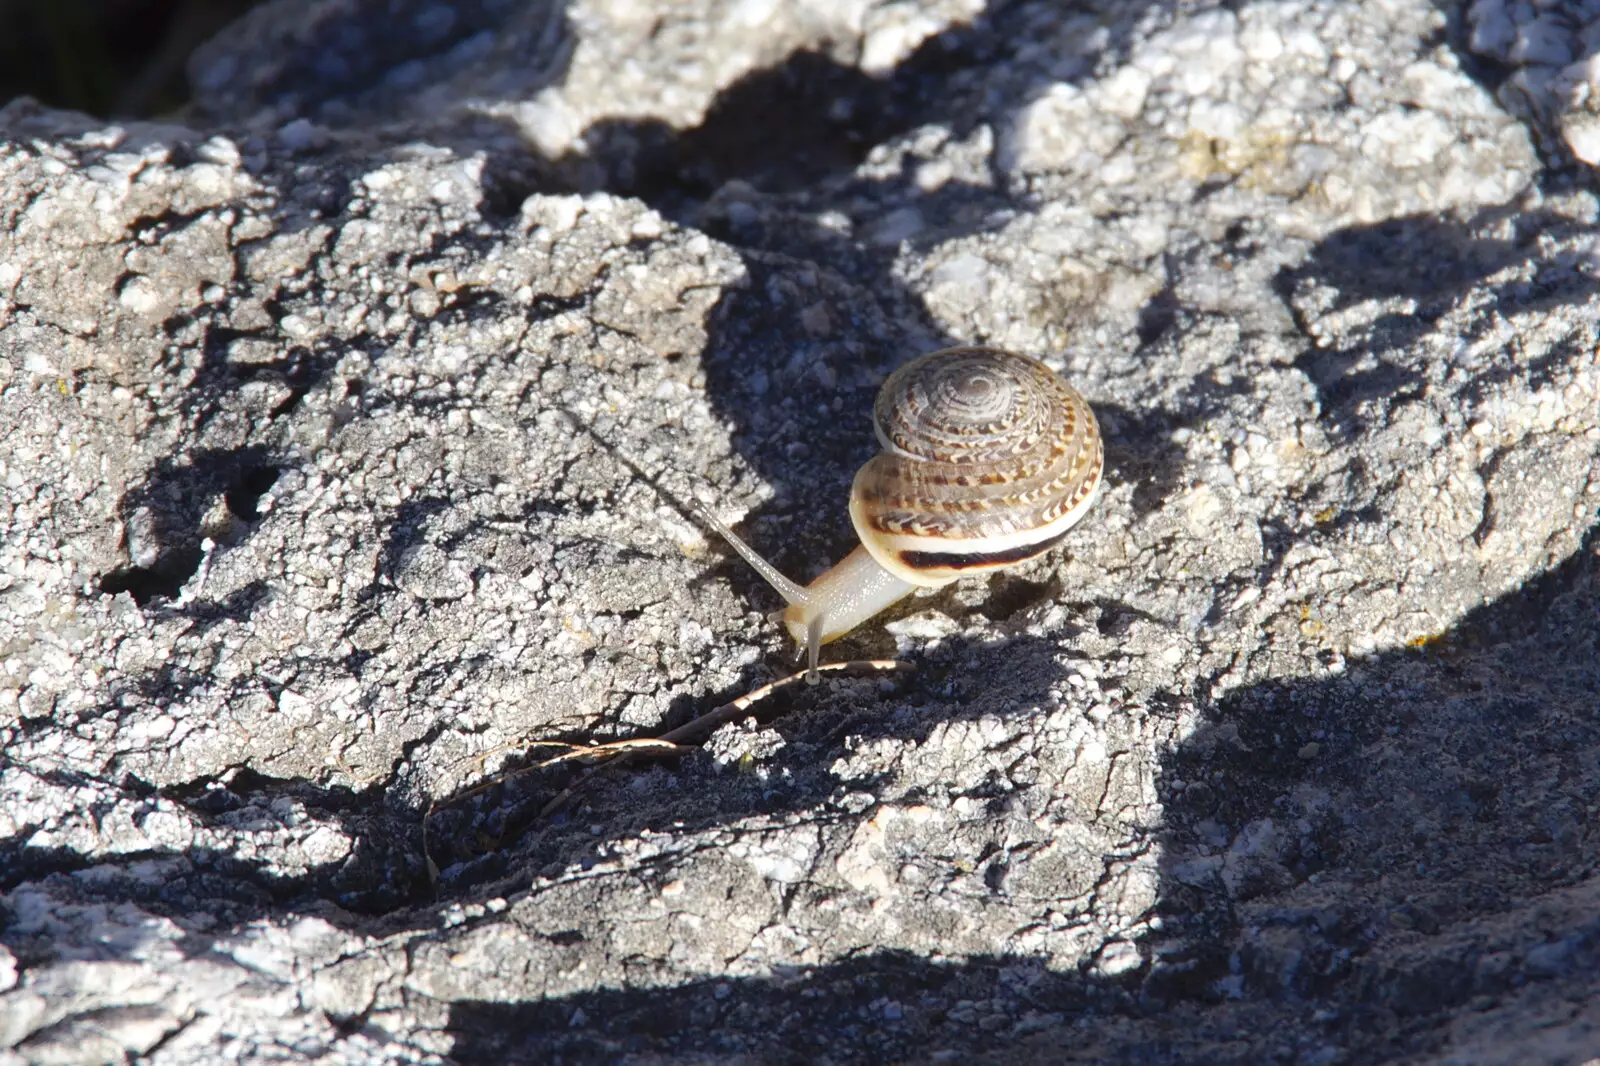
163, 517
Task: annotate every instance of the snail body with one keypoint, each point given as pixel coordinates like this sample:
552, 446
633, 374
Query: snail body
989, 458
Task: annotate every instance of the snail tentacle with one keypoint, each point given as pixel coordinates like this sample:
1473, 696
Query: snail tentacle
793, 594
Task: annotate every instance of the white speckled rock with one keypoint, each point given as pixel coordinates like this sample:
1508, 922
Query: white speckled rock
347, 446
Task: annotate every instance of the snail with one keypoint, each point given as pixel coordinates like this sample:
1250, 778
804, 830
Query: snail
989, 457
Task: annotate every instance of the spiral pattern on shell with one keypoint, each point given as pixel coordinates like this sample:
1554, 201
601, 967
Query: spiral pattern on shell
989, 458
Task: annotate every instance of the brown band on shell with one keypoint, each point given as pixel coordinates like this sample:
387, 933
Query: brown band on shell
918, 560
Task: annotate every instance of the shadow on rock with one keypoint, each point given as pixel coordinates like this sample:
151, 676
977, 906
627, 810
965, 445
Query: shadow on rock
1366, 841
796, 354
880, 1009
1369, 845
784, 770
1371, 276
384, 869
357, 63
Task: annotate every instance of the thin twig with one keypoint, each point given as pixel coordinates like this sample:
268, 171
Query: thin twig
672, 742
729, 711
718, 716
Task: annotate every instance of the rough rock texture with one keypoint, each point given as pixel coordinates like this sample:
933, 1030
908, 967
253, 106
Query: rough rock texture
1548, 55
350, 433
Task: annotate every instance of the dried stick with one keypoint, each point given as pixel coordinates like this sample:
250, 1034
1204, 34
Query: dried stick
672, 742
709, 721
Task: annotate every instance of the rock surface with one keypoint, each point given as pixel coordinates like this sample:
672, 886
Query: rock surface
351, 429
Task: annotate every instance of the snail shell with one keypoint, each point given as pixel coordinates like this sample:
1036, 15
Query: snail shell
988, 458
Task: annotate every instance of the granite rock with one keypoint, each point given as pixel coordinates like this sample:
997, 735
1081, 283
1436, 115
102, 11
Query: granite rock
353, 425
